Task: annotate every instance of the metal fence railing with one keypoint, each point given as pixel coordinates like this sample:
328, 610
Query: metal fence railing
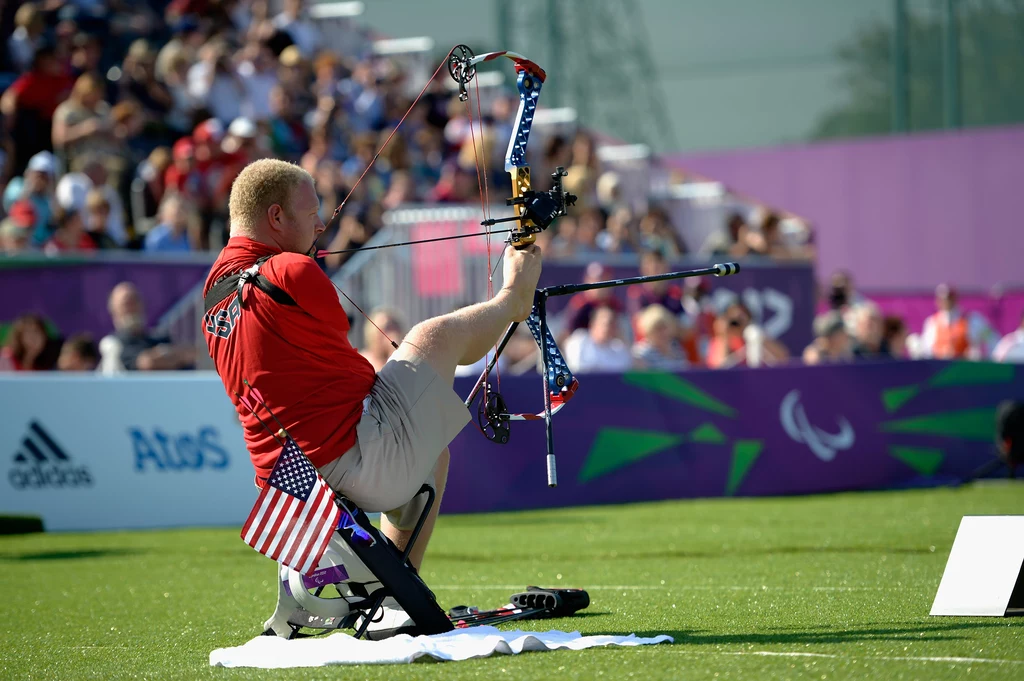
422, 281
183, 322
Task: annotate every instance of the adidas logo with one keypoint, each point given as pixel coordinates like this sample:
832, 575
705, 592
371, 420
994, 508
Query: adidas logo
41, 462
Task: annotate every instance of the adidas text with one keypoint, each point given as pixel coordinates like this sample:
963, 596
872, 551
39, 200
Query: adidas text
41, 475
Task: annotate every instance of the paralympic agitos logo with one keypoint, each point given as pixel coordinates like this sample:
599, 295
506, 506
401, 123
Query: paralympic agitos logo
42, 462
823, 444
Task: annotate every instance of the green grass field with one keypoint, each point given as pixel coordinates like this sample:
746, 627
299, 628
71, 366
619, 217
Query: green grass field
830, 587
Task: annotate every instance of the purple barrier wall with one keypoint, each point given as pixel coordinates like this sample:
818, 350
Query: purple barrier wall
73, 293
900, 212
780, 297
744, 432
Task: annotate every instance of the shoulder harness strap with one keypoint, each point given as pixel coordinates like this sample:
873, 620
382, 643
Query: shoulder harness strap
235, 283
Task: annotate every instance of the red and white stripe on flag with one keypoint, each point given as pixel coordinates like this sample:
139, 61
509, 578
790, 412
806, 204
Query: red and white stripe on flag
295, 514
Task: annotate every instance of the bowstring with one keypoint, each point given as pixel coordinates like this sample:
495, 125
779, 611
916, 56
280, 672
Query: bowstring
351, 191
481, 178
487, 202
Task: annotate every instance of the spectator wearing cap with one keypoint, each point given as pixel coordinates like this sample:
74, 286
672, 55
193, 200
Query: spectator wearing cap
15, 236
79, 353
132, 346
1010, 347
831, 342
73, 189
241, 146
581, 306
183, 176
660, 349
951, 333
35, 188
172, 233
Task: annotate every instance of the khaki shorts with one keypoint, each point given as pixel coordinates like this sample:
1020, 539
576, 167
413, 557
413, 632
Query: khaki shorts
408, 419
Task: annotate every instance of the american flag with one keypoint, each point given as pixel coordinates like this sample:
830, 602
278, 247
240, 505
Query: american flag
295, 513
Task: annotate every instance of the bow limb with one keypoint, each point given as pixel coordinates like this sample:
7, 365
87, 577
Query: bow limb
559, 383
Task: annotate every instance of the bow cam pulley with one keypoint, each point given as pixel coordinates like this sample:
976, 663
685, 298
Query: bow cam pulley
461, 68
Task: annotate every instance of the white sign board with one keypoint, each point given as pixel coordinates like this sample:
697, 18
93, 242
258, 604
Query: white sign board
984, 566
88, 452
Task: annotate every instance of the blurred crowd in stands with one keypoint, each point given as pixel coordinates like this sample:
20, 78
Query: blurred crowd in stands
123, 124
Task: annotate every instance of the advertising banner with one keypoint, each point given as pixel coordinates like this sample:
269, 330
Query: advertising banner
166, 450
743, 432
90, 453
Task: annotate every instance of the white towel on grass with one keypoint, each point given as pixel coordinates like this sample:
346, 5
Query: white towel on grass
271, 652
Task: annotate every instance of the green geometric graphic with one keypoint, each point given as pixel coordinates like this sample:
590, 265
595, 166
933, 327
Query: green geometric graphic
894, 398
672, 386
744, 454
971, 424
708, 433
924, 460
616, 448
972, 373
956, 374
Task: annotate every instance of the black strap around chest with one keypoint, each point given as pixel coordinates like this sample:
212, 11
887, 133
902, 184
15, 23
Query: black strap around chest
235, 283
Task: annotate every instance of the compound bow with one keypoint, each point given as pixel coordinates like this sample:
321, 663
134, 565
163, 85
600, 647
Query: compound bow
534, 211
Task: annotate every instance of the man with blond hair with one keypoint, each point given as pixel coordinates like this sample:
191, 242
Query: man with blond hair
376, 438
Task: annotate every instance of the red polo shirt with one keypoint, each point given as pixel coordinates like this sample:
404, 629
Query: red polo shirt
298, 357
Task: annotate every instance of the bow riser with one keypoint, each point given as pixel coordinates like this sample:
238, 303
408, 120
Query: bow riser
529, 87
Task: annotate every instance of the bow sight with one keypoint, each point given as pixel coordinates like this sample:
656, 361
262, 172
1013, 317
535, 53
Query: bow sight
539, 208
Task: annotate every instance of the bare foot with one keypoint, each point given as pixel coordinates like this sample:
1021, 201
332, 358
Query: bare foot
521, 274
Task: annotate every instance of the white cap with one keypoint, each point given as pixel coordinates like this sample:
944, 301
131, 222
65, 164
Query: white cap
72, 190
43, 162
242, 127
